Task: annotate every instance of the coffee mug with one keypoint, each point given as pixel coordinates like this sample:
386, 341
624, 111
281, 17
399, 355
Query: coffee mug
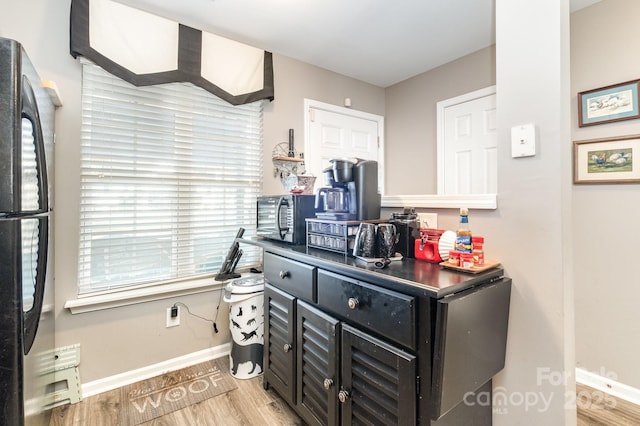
365, 243
387, 238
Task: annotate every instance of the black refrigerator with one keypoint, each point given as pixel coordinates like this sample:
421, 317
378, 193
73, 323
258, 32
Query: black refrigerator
26, 229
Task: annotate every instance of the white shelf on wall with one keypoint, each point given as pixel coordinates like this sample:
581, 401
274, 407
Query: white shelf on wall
479, 201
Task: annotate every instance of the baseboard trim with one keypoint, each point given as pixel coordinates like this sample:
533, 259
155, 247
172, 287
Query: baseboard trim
113, 382
608, 386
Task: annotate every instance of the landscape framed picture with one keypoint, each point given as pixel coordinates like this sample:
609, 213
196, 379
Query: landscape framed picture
606, 160
608, 104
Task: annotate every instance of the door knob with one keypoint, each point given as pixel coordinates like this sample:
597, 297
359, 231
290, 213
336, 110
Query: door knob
353, 302
343, 396
286, 347
284, 274
328, 383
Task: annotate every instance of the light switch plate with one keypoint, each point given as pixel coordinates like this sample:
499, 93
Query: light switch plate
523, 140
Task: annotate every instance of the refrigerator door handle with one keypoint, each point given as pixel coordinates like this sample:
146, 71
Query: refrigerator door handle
30, 112
31, 317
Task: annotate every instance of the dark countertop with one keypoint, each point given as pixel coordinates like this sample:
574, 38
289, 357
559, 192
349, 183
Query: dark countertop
410, 276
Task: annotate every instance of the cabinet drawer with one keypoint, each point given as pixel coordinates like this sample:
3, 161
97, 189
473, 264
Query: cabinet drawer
382, 311
297, 279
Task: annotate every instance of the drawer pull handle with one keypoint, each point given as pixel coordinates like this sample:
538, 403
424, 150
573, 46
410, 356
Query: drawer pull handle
286, 347
353, 302
343, 396
284, 274
328, 383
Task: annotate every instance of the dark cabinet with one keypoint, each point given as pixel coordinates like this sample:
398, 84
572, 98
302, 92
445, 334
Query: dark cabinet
279, 349
317, 365
378, 383
293, 277
342, 350
341, 375
385, 312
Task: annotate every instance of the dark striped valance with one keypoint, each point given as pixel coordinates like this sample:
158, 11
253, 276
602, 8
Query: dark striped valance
145, 49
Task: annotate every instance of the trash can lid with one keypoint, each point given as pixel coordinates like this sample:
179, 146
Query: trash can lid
246, 285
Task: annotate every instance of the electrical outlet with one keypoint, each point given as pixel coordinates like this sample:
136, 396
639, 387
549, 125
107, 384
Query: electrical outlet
428, 220
173, 321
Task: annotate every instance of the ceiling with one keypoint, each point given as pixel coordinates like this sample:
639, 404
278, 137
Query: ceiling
380, 42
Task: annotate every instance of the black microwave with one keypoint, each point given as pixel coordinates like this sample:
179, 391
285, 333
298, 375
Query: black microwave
282, 217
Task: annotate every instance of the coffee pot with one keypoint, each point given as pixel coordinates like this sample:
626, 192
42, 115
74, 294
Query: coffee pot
332, 200
337, 200
351, 190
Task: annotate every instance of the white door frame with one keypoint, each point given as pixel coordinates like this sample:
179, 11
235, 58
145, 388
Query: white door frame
440, 142
310, 103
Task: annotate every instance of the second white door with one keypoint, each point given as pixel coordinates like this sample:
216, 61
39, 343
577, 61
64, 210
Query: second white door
467, 144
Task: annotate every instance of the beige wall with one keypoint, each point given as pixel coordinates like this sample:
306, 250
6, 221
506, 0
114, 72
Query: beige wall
528, 231
122, 339
532, 223
523, 232
295, 81
410, 122
605, 223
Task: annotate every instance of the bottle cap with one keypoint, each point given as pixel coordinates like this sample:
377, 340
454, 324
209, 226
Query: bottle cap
464, 211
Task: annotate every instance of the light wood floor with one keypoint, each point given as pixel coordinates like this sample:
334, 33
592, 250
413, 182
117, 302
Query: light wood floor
250, 404
598, 409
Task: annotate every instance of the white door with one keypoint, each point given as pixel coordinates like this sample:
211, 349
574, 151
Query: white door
467, 144
336, 132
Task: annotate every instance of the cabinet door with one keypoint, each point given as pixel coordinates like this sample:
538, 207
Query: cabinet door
378, 381
279, 354
317, 353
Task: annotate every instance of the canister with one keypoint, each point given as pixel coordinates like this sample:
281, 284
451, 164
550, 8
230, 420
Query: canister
454, 258
466, 260
408, 226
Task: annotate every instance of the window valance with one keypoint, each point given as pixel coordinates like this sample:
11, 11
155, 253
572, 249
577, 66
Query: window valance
146, 49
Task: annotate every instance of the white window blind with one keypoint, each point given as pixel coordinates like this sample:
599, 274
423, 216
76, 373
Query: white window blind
169, 175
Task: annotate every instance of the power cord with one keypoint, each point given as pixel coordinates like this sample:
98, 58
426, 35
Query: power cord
215, 327
215, 320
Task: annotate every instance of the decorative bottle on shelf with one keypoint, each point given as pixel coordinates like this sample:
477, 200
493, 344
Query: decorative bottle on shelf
463, 235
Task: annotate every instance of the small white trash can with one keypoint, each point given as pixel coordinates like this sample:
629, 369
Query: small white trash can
246, 324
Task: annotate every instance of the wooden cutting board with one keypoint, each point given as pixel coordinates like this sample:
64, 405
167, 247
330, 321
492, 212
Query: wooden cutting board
488, 264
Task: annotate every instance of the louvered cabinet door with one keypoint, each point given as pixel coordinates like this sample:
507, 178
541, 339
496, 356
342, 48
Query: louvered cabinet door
317, 365
279, 353
378, 381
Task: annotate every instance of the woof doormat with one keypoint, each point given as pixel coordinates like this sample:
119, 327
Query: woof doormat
145, 400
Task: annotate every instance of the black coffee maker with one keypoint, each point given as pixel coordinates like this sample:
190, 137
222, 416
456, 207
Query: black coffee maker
350, 192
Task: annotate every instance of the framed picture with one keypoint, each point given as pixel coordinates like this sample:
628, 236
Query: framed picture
608, 104
606, 160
